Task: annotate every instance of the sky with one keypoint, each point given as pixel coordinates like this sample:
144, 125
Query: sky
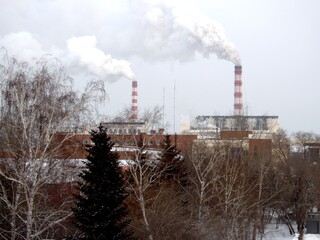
182, 53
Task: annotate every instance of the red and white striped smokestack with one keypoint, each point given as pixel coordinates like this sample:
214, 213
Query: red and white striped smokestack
238, 106
134, 106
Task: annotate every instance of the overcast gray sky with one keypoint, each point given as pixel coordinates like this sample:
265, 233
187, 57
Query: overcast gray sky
192, 43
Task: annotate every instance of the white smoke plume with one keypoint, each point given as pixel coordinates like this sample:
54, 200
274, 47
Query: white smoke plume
178, 32
96, 61
81, 54
22, 45
85, 34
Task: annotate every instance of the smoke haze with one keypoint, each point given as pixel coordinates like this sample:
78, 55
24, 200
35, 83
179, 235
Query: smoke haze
95, 60
112, 33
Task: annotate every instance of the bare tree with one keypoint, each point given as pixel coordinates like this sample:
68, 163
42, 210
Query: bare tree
143, 176
300, 181
37, 104
152, 117
143, 180
265, 173
204, 160
234, 191
154, 174
143, 171
280, 145
222, 189
168, 216
123, 116
302, 139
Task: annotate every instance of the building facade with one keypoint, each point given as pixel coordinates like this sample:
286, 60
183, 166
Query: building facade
211, 126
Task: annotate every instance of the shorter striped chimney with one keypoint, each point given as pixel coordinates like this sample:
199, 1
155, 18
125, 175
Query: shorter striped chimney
134, 106
238, 106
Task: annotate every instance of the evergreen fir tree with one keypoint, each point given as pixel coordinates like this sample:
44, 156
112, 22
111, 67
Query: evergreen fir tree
99, 211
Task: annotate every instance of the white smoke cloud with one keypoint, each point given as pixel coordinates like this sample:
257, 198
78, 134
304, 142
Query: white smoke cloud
178, 33
210, 38
96, 61
81, 54
85, 34
22, 45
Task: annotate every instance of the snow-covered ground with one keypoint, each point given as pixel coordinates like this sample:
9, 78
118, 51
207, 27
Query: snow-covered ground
282, 233
311, 237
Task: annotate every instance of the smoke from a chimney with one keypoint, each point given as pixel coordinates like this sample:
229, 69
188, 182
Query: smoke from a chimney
238, 106
85, 54
152, 30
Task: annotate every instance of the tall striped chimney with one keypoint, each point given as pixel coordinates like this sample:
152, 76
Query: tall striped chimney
238, 106
134, 106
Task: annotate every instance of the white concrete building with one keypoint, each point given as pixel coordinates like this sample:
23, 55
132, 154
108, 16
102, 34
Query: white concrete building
210, 126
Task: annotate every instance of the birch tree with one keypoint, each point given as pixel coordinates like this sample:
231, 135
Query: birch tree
280, 146
153, 175
37, 103
143, 175
204, 160
300, 181
231, 190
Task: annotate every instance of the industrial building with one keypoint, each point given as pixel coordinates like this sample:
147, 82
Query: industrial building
209, 126
217, 123
251, 134
246, 136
